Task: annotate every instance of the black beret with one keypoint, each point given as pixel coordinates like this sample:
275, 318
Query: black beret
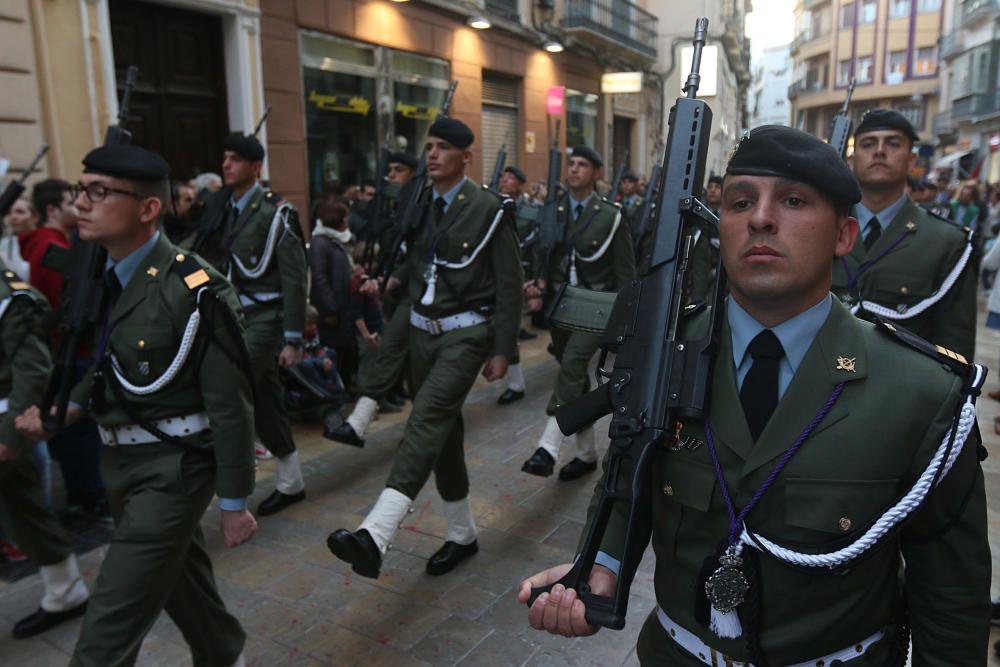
776, 150
402, 157
455, 132
244, 145
886, 119
715, 178
126, 161
629, 175
518, 174
587, 153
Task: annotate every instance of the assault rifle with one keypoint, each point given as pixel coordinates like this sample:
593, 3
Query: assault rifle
616, 185
550, 228
409, 199
658, 377
376, 210
83, 298
498, 168
647, 210
842, 123
15, 188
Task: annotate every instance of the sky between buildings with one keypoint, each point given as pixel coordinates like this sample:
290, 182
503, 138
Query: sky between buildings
772, 23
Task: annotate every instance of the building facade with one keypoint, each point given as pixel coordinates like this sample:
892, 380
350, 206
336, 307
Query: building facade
725, 66
888, 47
772, 75
968, 125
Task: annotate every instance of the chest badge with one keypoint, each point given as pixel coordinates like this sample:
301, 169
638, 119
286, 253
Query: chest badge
152, 271
911, 226
846, 364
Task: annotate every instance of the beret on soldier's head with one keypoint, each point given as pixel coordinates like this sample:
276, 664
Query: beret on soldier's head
455, 132
244, 145
518, 174
126, 161
886, 119
715, 178
402, 157
587, 153
629, 175
776, 150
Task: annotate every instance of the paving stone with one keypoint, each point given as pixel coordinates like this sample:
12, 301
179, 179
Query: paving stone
500, 649
450, 641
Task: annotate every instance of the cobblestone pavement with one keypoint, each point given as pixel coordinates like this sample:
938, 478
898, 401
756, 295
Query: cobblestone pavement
301, 606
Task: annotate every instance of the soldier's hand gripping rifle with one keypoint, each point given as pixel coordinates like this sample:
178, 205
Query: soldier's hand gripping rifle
498, 168
616, 185
409, 199
840, 133
647, 211
15, 188
658, 377
84, 294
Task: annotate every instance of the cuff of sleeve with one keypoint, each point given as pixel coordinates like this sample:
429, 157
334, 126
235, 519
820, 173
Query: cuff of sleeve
232, 504
608, 561
293, 335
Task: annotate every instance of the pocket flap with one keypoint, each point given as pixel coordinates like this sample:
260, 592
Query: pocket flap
836, 506
688, 482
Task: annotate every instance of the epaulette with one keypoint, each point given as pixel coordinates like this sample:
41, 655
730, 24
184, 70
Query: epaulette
14, 283
191, 272
694, 308
940, 216
952, 360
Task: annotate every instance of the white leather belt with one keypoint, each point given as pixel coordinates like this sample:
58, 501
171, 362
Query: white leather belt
133, 434
446, 324
4, 406
710, 656
255, 298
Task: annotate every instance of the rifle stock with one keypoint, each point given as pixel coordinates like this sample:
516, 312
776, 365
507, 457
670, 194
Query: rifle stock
657, 377
409, 197
15, 188
84, 294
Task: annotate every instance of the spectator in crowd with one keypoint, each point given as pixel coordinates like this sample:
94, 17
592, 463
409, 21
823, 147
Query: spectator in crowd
367, 192
331, 263
179, 219
21, 220
319, 362
964, 208
57, 212
539, 191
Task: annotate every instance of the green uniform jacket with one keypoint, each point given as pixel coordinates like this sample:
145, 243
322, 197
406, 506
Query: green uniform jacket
148, 324
614, 269
492, 282
287, 271
25, 362
896, 406
914, 270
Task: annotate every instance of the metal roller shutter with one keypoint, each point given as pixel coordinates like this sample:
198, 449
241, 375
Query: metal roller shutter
499, 121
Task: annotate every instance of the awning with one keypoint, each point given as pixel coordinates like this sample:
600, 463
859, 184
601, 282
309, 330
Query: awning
949, 160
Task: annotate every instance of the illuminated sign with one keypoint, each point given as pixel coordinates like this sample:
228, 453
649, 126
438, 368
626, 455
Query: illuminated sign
342, 103
417, 111
621, 82
555, 101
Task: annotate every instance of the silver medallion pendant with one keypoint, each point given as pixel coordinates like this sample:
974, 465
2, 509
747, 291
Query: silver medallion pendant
144, 368
727, 587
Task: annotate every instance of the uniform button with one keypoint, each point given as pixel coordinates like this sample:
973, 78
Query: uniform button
904, 290
859, 648
820, 663
844, 523
668, 490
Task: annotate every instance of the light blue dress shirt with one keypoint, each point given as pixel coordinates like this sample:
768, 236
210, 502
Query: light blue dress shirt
449, 196
244, 201
573, 203
885, 216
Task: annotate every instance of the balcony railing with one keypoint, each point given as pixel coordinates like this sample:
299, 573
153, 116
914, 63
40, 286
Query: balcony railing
982, 104
617, 20
951, 43
943, 125
803, 86
504, 8
972, 10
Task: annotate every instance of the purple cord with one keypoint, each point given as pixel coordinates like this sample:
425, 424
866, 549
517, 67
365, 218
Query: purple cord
734, 520
852, 279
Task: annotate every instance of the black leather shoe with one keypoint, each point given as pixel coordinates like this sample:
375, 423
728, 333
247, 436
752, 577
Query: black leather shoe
449, 556
278, 501
526, 335
509, 396
42, 620
344, 434
576, 469
541, 463
358, 549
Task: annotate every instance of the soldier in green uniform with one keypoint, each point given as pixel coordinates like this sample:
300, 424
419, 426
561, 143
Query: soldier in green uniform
172, 398
25, 365
596, 253
463, 278
525, 221
631, 199
840, 506
264, 257
910, 267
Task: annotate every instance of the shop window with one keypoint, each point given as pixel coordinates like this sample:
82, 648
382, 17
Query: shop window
581, 119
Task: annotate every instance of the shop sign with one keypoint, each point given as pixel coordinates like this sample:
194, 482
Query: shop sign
555, 100
417, 111
342, 103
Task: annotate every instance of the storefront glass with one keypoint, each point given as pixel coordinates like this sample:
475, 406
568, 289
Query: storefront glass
581, 119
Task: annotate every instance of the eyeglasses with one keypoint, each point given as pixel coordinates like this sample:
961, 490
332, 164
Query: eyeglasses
97, 192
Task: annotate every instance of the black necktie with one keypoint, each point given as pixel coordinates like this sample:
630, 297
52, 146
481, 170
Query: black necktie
577, 212
874, 231
114, 286
438, 210
759, 394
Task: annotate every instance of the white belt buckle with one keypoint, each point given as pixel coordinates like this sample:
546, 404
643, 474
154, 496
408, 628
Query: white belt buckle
434, 327
110, 436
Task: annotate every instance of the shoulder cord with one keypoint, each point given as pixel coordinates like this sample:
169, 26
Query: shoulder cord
280, 220
917, 309
482, 244
939, 466
187, 342
604, 247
